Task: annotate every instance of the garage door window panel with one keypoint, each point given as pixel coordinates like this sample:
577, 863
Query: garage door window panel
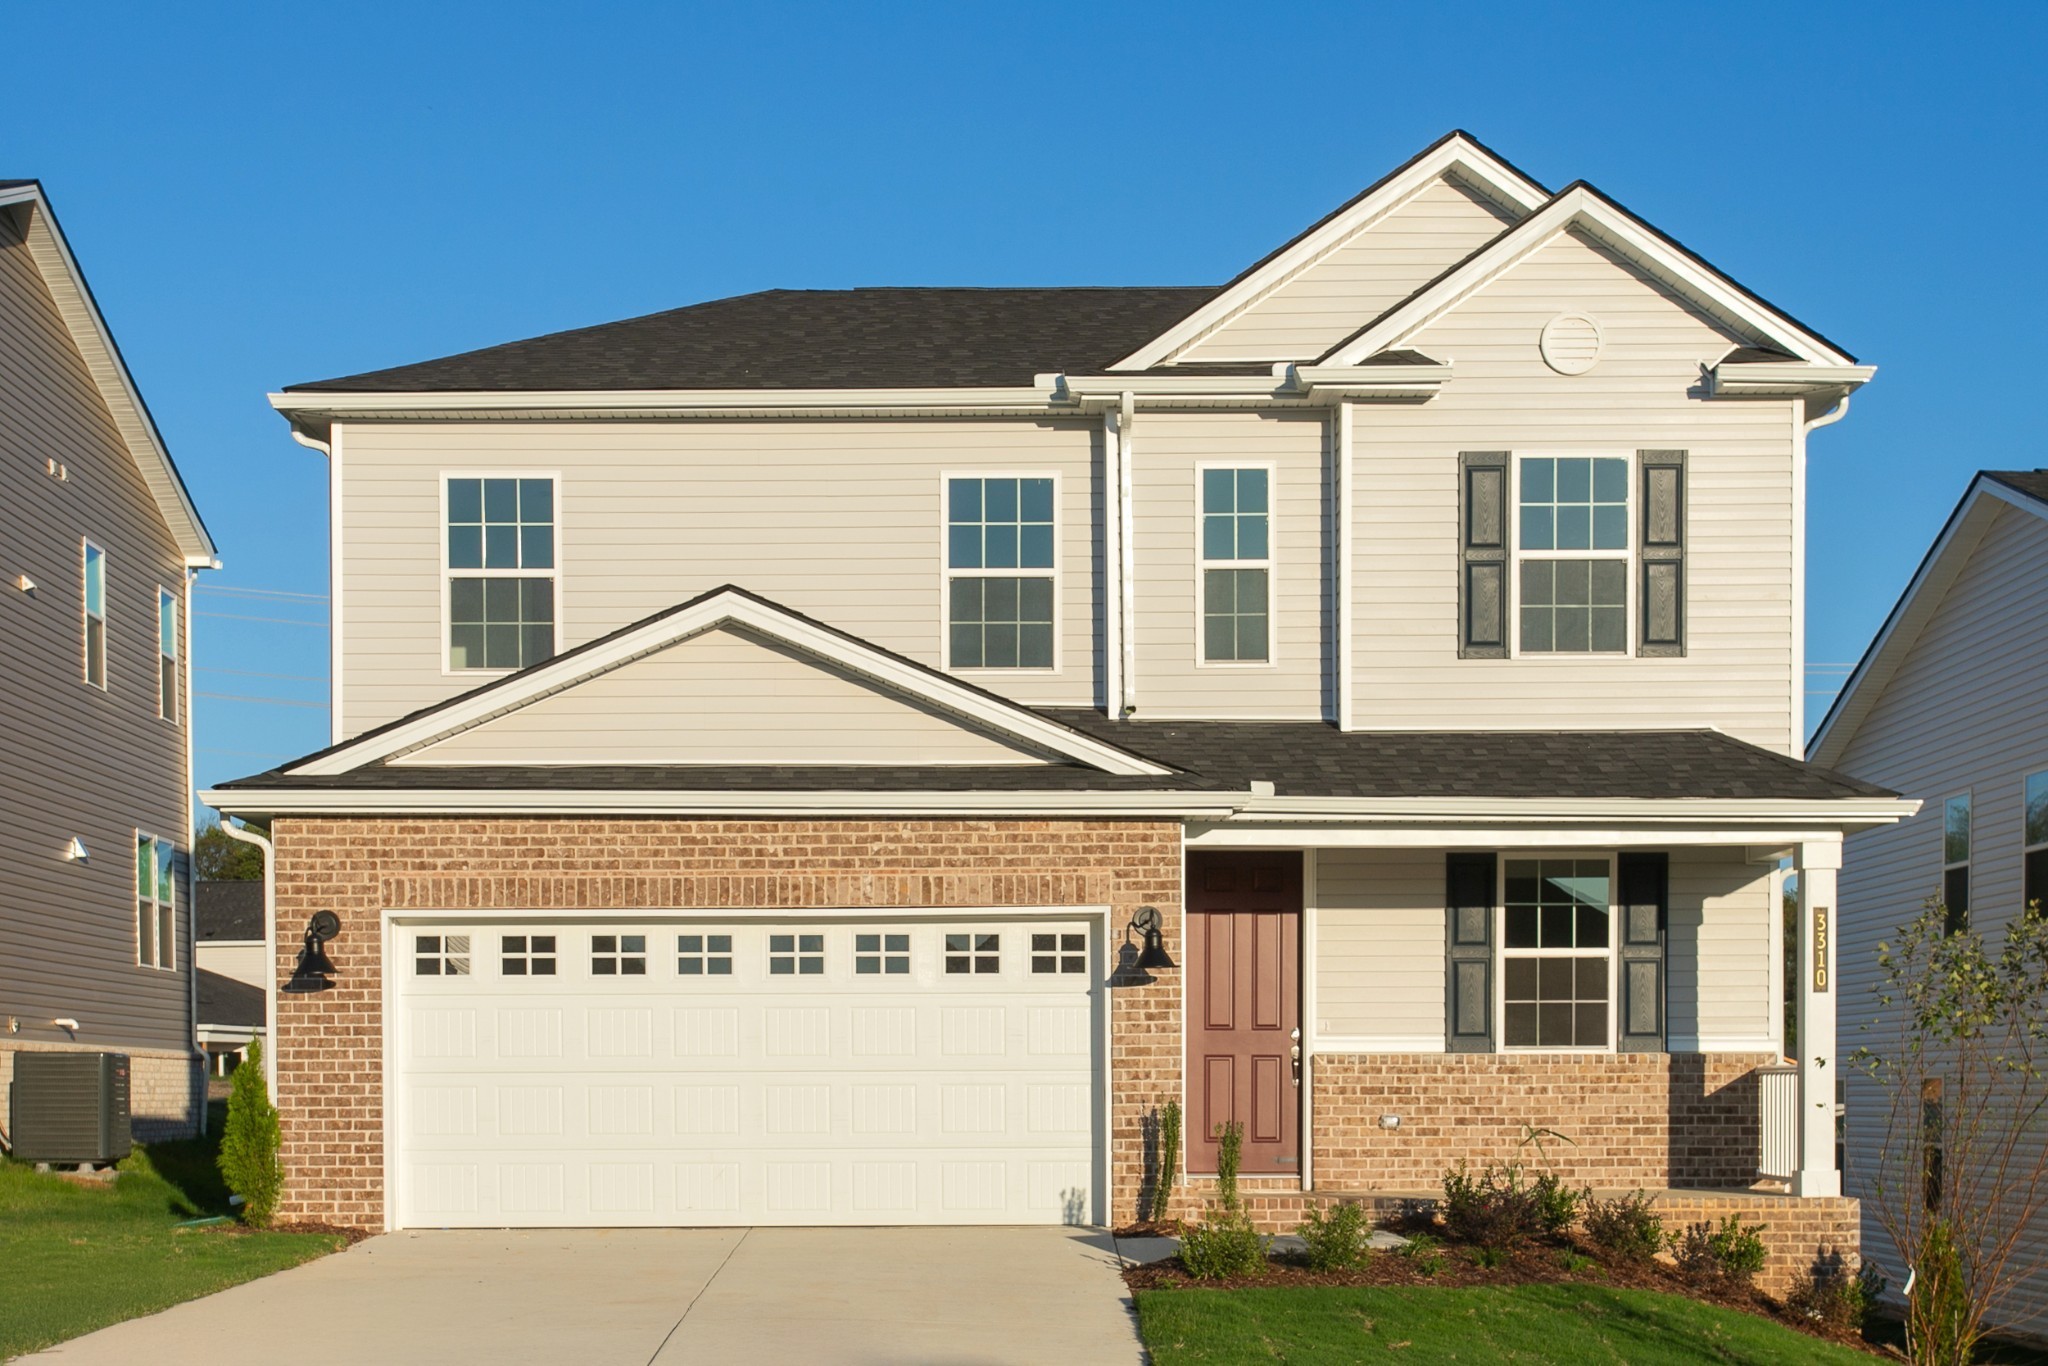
796, 955
1059, 953
881, 955
441, 955
973, 954
704, 955
526, 955
618, 955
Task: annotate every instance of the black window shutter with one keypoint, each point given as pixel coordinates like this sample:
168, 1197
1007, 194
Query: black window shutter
1661, 627
1644, 912
1468, 949
1483, 555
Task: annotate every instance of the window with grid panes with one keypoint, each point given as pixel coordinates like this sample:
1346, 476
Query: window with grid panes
704, 955
881, 953
973, 953
1955, 861
440, 955
999, 573
156, 898
501, 572
796, 955
1556, 953
1236, 566
1573, 550
526, 955
1059, 953
618, 955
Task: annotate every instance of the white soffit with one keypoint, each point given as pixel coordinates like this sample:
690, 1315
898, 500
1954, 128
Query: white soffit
728, 607
95, 343
1582, 208
1458, 155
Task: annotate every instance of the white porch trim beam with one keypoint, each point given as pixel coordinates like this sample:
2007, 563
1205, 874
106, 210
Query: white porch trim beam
1817, 862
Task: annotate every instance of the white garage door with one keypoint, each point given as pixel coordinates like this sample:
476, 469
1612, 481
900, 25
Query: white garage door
657, 1072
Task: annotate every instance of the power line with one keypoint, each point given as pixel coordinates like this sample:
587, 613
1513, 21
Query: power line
274, 621
271, 701
260, 592
241, 753
251, 673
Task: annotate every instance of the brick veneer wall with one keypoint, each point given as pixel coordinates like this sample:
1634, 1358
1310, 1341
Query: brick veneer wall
330, 1045
164, 1086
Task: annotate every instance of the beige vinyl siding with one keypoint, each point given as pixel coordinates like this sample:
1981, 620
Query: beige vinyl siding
1644, 393
1359, 278
1966, 709
723, 697
1169, 449
79, 762
1379, 951
838, 519
243, 960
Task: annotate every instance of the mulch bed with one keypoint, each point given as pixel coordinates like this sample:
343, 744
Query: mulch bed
1532, 1264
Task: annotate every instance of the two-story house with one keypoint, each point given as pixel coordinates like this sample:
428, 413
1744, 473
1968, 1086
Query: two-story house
99, 542
853, 756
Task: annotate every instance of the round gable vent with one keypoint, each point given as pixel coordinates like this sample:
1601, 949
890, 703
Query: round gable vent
1571, 343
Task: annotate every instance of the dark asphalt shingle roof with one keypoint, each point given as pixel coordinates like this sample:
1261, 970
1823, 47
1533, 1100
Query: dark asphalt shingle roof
2033, 483
228, 909
229, 1001
817, 338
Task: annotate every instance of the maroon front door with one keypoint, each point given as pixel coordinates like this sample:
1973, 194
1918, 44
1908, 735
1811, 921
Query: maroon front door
1244, 1006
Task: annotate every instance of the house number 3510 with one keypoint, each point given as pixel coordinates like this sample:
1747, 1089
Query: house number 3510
1820, 948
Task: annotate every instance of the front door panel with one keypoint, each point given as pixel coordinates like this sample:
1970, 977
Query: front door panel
1244, 1007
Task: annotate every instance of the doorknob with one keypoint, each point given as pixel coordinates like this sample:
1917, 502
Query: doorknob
1294, 1056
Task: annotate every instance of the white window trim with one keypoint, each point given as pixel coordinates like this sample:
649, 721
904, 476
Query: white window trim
947, 574
168, 707
1969, 796
448, 574
86, 546
1627, 555
1501, 950
167, 952
1271, 564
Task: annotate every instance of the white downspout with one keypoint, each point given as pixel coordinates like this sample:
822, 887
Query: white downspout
269, 948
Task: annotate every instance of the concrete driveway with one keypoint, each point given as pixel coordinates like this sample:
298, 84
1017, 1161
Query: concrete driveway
645, 1296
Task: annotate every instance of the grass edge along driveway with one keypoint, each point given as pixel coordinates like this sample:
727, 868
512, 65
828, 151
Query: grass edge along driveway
1527, 1323
77, 1256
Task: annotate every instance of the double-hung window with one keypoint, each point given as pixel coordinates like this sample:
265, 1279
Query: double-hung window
1001, 572
156, 901
95, 609
1955, 861
501, 558
1572, 574
1556, 955
2035, 859
1237, 566
166, 655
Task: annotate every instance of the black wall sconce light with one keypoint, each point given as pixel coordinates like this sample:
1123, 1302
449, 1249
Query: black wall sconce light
315, 969
1146, 921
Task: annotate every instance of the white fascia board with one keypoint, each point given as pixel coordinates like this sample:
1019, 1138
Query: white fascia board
1832, 813
1786, 379
1580, 207
1454, 155
95, 341
718, 610
1110, 389
626, 403
264, 802
1944, 561
1332, 382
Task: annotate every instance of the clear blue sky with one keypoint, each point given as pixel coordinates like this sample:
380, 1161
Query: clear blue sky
264, 194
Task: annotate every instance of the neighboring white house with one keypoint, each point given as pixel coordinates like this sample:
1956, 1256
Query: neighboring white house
232, 964
1950, 706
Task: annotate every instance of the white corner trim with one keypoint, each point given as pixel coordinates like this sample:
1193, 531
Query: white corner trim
1583, 208
715, 610
1455, 154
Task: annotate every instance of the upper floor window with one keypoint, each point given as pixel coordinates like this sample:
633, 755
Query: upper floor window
1237, 566
2036, 837
1573, 552
95, 606
501, 572
167, 655
156, 899
1955, 861
1000, 572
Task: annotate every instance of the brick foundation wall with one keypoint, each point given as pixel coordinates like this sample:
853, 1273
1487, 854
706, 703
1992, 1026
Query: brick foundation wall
164, 1087
330, 1045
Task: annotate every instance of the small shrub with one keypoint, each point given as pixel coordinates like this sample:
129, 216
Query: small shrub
1837, 1301
1423, 1253
1335, 1237
1489, 1257
1939, 1324
1169, 1158
1575, 1263
1626, 1227
1229, 1156
1731, 1254
1224, 1248
1557, 1205
1492, 1209
250, 1140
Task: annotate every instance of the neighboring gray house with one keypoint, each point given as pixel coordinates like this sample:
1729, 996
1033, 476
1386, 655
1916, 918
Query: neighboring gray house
99, 541
228, 942
1949, 705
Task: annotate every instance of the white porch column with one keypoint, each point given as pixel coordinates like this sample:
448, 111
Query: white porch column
1814, 991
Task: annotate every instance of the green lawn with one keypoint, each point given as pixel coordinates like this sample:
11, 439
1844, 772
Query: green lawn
74, 1258
1531, 1323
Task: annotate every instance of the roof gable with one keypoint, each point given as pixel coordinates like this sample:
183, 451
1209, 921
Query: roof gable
1990, 494
754, 622
1581, 208
1457, 160
110, 376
